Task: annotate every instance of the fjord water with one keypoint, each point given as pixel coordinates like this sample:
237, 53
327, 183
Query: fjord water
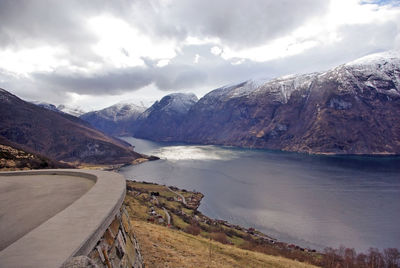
312, 201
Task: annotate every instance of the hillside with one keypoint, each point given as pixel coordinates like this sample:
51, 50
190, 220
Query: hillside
58, 136
163, 247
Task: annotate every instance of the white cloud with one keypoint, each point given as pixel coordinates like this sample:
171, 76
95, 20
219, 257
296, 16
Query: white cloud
163, 62
145, 96
319, 31
216, 50
196, 58
122, 45
25, 61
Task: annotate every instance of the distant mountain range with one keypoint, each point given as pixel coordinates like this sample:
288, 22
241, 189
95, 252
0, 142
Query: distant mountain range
351, 109
58, 136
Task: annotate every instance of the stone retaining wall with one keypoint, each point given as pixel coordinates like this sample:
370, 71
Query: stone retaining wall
118, 247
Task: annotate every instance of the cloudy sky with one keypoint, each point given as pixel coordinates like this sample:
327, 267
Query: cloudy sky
96, 53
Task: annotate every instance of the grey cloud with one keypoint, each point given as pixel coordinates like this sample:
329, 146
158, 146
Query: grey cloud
356, 41
179, 77
180, 74
26, 24
30, 89
238, 23
115, 81
38, 21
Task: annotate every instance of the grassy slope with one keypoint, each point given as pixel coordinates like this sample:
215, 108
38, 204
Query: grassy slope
172, 247
164, 247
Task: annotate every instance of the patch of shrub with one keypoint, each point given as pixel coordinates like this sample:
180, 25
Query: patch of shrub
220, 237
193, 229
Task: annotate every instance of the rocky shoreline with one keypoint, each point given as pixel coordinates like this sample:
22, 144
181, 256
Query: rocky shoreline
159, 205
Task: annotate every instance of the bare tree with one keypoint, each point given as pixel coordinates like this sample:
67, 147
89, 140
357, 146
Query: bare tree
375, 258
349, 258
331, 258
392, 257
362, 261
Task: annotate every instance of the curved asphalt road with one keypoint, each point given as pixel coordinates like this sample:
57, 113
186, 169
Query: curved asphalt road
28, 201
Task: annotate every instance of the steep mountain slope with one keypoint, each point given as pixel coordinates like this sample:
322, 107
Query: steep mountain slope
161, 120
116, 120
56, 135
351, 109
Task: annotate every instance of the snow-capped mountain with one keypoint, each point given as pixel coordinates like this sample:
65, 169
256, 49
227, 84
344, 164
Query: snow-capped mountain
178, 103
117, 119
163, 118
350, 109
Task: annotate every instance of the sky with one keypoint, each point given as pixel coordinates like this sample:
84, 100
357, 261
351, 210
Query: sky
92, 54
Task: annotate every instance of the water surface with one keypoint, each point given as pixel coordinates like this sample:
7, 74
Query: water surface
313, 201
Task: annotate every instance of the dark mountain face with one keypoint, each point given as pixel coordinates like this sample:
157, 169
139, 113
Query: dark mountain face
116, 120
162, 120
56, 135
352, 109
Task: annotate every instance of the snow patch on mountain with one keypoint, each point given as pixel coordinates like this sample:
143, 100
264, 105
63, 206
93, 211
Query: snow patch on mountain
72, 110
75, 111
47, 106
283, 87
382, 59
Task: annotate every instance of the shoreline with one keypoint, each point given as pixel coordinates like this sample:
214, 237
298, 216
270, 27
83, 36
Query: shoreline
194, 204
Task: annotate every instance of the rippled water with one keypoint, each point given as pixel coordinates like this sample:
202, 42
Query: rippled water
314, 201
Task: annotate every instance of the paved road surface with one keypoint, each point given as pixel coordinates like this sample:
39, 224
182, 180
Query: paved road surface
178, 194
28, 201
168, 216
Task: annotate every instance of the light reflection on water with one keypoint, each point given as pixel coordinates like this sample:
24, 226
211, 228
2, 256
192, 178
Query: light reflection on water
187, 152
309, 200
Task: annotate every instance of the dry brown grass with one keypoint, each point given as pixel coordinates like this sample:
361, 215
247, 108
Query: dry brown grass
163, 247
